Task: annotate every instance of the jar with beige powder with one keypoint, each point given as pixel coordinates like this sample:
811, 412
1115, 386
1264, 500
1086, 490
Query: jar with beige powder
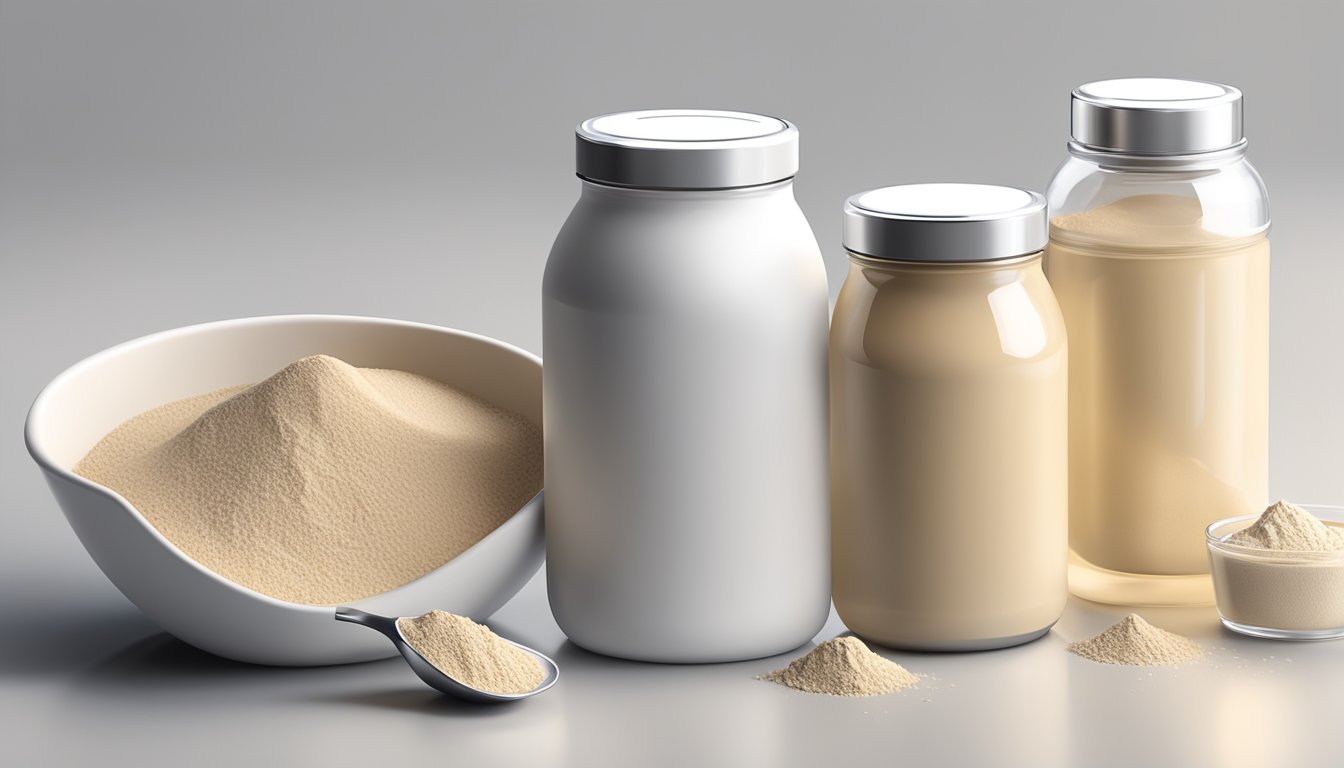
948, 421
1159, 257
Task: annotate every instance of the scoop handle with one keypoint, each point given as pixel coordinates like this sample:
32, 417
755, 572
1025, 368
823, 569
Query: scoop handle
372, 621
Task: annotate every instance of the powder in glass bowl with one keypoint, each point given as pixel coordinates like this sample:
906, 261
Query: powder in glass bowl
1285, 527
1282, 576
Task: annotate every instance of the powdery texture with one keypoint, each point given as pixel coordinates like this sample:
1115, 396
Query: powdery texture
1134, 641
1296, 584
843, 666
325, 483
1143, 221
470, 653
1287, 527
1144, 282
1299, 594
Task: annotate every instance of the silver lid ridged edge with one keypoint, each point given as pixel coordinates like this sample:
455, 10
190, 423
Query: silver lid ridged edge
977, 234
699, 162
1156, 116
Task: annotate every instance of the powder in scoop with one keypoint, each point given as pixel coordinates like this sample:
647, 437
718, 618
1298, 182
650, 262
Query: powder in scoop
470, 653
843, 666
325, 483
1135, 641
1287, 527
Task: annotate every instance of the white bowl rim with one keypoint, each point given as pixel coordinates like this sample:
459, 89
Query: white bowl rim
39, 454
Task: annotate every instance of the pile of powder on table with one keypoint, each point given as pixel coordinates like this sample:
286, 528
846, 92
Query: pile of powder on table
325, 483
470, 653
843, 666
1135, 641
1287, 527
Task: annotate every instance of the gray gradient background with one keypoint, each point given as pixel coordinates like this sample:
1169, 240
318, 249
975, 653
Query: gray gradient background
169, 163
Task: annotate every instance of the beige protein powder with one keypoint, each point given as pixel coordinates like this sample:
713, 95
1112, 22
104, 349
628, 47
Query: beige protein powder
1285, 527
1283, 572
843, 666
470, 653
1151, 464
325, 483
1134, 641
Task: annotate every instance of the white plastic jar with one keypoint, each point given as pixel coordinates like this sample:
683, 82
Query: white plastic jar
685, 333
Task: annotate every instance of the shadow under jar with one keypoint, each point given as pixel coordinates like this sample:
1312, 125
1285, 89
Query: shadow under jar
948, 364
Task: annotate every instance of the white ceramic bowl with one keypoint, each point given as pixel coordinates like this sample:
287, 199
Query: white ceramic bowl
87, 401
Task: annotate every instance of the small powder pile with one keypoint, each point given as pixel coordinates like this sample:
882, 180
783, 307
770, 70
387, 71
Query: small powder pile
325, 483
470, 653
1287, 527
1135, 641
843, 666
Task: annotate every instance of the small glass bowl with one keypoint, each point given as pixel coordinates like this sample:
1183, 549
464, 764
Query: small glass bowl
1278, 595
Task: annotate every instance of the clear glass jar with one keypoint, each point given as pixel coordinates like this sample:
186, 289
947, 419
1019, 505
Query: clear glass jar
948, 363
1159, 258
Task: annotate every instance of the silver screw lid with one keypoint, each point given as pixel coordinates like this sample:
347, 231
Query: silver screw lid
686, 149
946, 223
1159, 116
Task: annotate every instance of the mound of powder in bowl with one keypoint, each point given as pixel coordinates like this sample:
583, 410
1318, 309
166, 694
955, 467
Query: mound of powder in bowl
1285, 527
325, 483
1284, 574
470, 653
843, 666
1134, 641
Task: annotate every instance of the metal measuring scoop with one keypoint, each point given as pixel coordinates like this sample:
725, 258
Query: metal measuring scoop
433, 676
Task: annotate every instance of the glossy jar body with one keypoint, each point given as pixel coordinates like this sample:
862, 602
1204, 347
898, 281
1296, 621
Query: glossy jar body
685, 420
948, 453
1161, 267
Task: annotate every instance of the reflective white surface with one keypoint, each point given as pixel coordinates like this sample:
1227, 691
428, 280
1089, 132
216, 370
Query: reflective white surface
946, 201
1183, 94
128, 688
677, 125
